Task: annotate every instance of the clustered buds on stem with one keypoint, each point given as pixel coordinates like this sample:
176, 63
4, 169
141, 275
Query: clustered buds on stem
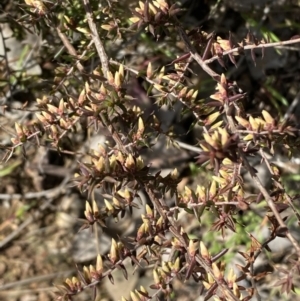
118, 172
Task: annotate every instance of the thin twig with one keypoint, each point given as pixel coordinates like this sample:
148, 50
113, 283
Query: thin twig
263, 133
96, 38
48, 194
249, 47
292, 107
189, 147
119, 263
232, 126
70, 48
278, 184
34, 279
175, 208
195, 55
6, 64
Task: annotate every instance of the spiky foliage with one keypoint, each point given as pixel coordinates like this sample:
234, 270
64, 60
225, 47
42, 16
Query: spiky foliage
229, 137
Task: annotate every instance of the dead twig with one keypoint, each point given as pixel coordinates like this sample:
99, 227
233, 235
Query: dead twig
51, 196
96, 38
35, 279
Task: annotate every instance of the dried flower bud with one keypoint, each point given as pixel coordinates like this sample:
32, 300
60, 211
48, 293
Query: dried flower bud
61, 107
176, 265
174, 174
117, 80
140, 232
210, 140
41, 118
120, 157
166, 267
141, 126
99, 265
110, 78
224, 136
129, 162
243, 122
216, 271
140, 163
19, 131
52, 109
81, 98
182, 92
87, 275
88, 211
63, 123
99, 164
149, 211
113, 254
149, 72
95, 209
69, 284
267, 117
156, 277
134, 297
110, 209
219, 180
211, 118
203, 251
192, 248
116, 203
231, 276
93, 272
200, 193
213, 189
236, 290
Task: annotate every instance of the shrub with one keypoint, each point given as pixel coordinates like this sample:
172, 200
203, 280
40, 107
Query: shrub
100, 84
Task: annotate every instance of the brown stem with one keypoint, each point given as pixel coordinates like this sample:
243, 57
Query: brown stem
96, 38
249, 47
196, 56
69, 48
278, 184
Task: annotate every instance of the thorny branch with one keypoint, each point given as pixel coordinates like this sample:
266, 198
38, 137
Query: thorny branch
161, 207
260, 186
203, 64
195, 55
104, 60
231, 122
155, 196
250, 47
